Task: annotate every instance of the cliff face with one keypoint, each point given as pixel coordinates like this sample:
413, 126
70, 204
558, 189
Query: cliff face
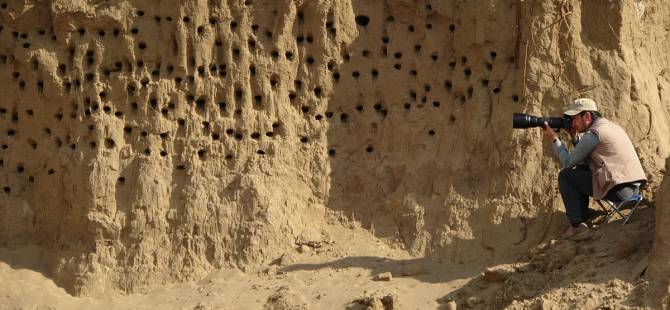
145, 142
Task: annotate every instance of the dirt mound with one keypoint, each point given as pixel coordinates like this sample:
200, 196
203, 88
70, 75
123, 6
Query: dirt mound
599, 269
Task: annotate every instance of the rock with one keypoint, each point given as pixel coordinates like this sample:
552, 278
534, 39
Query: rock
498, 274
451, 305
384, 276
203, 306
285, 299
310, 237
472, 301
303, 248
379, 302
286, 259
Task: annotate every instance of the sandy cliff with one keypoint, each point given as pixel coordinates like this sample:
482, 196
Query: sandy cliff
146, 142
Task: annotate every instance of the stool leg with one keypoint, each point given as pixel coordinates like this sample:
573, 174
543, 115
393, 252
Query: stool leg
637, 204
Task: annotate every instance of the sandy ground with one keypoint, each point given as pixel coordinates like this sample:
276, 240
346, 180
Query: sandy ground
595, 270
329, 277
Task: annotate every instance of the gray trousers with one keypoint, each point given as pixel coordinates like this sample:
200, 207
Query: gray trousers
576, 186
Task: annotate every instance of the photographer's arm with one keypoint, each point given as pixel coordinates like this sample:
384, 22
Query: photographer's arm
586, 144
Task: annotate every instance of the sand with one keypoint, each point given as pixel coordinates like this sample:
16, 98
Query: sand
286, 150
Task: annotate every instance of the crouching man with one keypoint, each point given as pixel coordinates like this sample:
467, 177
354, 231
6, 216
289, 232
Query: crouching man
613, 164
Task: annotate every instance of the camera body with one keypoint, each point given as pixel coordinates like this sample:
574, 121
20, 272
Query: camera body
523, 121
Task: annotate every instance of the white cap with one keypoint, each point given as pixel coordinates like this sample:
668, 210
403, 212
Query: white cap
580, 105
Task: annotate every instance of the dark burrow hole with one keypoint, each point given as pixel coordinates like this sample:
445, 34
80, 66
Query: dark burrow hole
200, 104
515, 98
431, 132
369, 149
304, 139
362, 20
331, 152
109, 143
344, 117
121, 180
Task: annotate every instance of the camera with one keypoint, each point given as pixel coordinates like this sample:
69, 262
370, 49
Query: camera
522, 121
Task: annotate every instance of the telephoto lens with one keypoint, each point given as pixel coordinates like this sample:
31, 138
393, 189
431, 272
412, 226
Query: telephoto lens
523, 121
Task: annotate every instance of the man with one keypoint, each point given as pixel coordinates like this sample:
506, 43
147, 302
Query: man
613, 164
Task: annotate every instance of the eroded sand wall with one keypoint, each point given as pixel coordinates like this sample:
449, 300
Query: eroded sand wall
145, 142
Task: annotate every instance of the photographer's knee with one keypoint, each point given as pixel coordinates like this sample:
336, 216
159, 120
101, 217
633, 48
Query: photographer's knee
564, 177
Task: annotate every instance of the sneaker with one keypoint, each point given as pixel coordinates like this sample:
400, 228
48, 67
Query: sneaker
574, 231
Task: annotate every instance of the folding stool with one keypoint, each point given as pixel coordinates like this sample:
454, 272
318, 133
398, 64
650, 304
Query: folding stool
617, 207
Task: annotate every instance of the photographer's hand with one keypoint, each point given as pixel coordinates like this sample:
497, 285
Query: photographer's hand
573, 133
550, 133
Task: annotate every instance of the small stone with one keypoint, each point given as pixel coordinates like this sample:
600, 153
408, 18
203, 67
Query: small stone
472, 301
499, 274
451, 305
384, 276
